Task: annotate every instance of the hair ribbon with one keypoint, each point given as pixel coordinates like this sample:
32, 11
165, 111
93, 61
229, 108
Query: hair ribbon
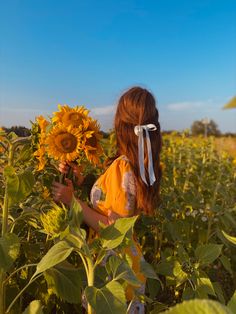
138, 130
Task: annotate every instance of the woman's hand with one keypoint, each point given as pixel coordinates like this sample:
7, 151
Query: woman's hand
63, 193
65, 166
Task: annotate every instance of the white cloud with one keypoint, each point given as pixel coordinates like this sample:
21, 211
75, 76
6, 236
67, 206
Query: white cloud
189, 105
107, 110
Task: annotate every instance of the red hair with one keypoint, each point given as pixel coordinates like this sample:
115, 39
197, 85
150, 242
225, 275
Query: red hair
137, 106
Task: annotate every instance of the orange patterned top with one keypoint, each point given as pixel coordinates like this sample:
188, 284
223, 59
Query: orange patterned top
115, 190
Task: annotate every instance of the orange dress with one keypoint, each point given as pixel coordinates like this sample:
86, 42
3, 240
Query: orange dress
115, 190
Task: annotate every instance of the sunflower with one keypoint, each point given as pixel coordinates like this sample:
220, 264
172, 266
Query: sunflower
40, 155
70, 116
39, 139
64, 143
43, 123
91, 142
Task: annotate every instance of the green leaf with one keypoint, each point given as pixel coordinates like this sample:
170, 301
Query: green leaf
65, 282
9, 250
232, 303
35, 307
231, 239
204, 287
199, 307
219, 292
109, 299
154, 287
180, 275
76, 213
207, 253
147, 269
226, 263
58, 253
113, 235
19, 186
120, 269
165, 268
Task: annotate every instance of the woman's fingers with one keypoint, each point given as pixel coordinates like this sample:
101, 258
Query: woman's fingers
63, 193
63, 167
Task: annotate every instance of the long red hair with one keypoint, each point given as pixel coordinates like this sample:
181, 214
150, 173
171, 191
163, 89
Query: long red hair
137, 106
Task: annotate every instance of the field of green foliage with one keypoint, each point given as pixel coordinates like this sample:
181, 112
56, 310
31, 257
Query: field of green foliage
47, 265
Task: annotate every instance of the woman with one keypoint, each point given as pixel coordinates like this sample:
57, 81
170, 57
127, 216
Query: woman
131, 183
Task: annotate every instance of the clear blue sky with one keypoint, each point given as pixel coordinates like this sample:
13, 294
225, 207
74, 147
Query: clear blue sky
88, 52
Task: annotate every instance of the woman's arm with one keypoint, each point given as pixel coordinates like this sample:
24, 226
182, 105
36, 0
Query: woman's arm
91, 217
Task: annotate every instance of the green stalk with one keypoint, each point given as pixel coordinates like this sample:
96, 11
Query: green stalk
20, 293
210, 220
2, 293
5, 211
90, 280
5, 214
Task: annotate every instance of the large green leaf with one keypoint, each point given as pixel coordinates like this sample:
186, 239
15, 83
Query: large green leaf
76, 213
113, 235
120, 269
109, 299
232, 303
57, 254
65, 281
35, 307
9, 250
231, 239
199, 307
207, 253
19, 186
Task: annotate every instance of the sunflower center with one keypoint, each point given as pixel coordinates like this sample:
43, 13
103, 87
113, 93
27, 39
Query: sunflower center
66, 142
74, 118
91, 141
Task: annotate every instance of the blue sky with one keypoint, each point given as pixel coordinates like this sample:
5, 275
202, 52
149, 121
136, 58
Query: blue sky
88, 52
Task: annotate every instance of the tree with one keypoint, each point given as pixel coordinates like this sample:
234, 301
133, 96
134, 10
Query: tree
21, 131
205, 127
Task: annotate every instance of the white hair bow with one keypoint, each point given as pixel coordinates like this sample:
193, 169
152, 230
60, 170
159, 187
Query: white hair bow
138, 130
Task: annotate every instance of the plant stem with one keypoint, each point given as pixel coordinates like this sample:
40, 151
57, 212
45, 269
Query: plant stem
2, 293
90, 280
20, 293
14, 272
5, 211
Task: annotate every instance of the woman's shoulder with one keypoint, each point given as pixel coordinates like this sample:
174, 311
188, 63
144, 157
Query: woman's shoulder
121, 161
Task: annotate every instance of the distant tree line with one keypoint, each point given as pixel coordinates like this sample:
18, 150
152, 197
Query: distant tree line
197, 128
21, 131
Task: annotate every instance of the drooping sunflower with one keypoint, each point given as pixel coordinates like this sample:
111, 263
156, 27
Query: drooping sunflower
91, 140
43, 123
39, 139
40, 154
70, 116
64, 143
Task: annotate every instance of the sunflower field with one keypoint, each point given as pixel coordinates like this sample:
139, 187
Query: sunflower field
48, 264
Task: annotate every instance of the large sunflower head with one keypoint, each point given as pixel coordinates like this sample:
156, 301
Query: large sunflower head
91, 142
70, 116
64, 143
